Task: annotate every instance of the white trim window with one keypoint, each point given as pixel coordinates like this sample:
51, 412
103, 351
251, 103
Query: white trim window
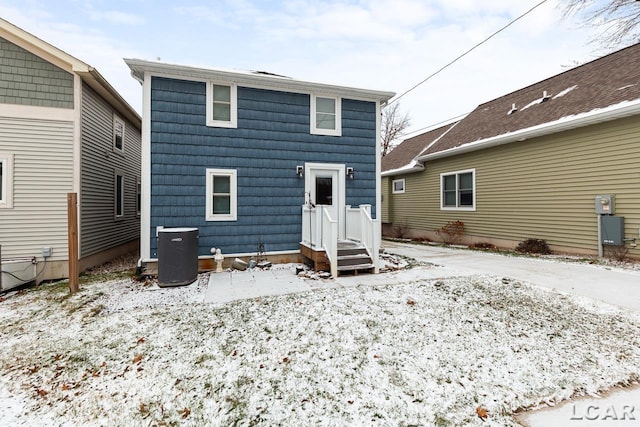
118, 191
222, 195
6, 180
138, 196
222, 105
397, 186
458, 190
118, 134
326, 115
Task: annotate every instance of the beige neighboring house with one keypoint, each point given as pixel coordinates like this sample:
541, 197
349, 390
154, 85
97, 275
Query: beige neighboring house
63, 129
529, 164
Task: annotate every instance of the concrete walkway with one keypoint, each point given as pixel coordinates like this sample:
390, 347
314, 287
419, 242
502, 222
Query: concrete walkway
620, 407
613, 286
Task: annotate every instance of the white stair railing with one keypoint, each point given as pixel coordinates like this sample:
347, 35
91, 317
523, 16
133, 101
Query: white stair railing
330, 240
362, 228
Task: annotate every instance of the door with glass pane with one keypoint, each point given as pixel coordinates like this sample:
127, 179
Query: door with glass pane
325, 188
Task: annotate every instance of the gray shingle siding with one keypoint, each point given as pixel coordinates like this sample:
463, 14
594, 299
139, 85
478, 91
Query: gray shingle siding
27, 79
273, 136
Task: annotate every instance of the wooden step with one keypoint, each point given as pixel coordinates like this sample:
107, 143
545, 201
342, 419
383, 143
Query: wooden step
356, 267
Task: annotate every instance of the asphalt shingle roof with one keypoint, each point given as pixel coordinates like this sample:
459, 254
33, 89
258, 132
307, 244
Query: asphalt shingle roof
411, 148
606, 81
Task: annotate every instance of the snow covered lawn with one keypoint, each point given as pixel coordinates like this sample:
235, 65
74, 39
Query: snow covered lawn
427, 352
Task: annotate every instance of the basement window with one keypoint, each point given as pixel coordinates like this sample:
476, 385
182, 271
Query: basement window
458, 190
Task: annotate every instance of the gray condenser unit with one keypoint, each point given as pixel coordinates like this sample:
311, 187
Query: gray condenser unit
177, 256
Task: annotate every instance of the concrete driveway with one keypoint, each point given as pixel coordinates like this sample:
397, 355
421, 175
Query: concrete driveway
614, 286
618, 407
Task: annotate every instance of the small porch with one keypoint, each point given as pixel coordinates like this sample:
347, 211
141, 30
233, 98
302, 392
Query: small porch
352, 247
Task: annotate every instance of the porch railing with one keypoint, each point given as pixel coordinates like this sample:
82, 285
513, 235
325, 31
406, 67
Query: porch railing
330, 240
360, 227
320, 231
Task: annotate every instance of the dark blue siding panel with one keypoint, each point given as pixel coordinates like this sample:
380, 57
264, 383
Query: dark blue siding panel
272, 138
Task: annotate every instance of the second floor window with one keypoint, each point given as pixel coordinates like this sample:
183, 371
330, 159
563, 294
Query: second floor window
222, 109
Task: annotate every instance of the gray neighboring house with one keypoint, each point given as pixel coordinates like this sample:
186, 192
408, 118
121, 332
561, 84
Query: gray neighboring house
63, 129
531, 164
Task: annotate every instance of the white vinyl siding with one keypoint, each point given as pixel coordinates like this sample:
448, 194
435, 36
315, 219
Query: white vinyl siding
6, 180
42, 163
457, 190
326, 115
222, 193
222, 105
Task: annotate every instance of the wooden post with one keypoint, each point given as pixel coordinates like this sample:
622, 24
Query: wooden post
72, 225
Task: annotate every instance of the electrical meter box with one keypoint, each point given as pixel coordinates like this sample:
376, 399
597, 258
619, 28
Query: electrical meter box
605, 204
612, 230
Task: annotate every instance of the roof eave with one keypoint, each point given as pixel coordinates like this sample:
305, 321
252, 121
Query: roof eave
412, 168
139, 67
617, 111
98, 83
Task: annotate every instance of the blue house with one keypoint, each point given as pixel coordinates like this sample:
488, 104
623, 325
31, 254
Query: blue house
261, 164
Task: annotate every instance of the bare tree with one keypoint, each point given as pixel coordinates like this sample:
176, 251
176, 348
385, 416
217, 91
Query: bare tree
394, 123
619, 20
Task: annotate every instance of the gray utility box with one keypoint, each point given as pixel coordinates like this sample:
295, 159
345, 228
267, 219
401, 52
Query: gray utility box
605, 204
612, 230
177, 256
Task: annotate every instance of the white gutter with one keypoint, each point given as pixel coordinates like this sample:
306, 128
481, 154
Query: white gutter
410, 168
139, 67
599, 115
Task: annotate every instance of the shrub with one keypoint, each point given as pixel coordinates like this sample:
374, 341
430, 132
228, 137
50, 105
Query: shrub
483, 246
533, 246
619, 253
451, 232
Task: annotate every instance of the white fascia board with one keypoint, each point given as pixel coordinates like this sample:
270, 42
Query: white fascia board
41, 48
246, 78
414, 166
599, 115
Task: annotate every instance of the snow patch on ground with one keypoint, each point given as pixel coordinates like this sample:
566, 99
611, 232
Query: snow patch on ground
425, 352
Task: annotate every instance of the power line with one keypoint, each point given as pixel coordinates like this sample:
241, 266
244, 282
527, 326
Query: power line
468, 51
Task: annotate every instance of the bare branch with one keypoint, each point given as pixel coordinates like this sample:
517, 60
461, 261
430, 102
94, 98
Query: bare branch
394, 123
619, 20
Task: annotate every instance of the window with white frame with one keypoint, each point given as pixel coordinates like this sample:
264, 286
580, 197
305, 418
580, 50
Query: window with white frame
6, 180
397, 186
222, 105
119, 195
138, 196
326, 117
458, 190
118, 133
222, 195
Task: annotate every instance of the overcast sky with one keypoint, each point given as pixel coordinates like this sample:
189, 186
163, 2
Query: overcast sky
376, 44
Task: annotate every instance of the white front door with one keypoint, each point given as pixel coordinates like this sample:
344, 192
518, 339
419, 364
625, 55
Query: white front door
325, 187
